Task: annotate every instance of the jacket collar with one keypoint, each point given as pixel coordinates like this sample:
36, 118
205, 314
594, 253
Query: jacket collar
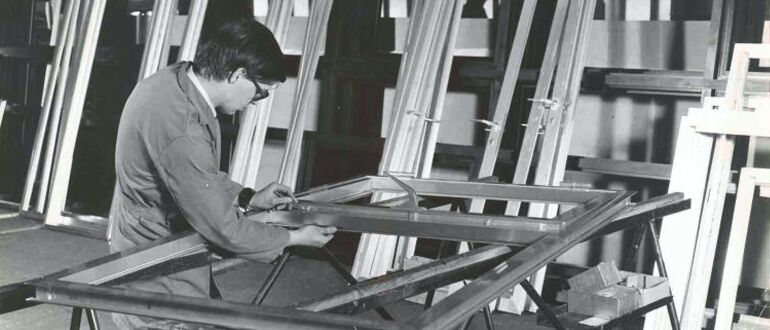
193, 94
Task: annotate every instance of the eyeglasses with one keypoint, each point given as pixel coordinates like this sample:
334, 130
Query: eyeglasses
261, 93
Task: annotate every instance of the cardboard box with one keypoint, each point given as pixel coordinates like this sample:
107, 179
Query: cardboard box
630, 292
651, 288
595, 278
610, 302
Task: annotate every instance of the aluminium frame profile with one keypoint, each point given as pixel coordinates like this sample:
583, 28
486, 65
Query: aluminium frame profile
192, 32
51, 110
155, 55
417, 109
400, 285
66, 287
254, 120
315, 42
75, 100
557, 124
3, 105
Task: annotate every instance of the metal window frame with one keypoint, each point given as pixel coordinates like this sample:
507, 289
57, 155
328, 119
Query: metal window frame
85, 285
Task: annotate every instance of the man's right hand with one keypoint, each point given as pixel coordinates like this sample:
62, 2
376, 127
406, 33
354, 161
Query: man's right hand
311, 236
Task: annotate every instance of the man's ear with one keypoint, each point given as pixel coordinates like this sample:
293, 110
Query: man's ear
239, 73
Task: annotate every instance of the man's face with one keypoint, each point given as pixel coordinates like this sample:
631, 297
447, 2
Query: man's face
245, 91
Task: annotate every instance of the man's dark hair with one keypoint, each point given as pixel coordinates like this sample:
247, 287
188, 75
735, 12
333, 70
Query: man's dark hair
241, 43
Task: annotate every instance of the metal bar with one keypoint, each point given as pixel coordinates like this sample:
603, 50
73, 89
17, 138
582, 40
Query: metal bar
57, 67
271, 278
93, 319
165, 47
76, 318
315, 36
192, 33
122, 263
662, 82
672, 315
429, 224
3, 104
199, 310
554, 148
340, 268
432, 126
496, 191
650, 209
339, 192
253, 122
107, 268
457, 307
625, 168
162, 11
166, 267
74, 106
511, 77
400, 285
69, 39
549, 314
539, 107
420, 89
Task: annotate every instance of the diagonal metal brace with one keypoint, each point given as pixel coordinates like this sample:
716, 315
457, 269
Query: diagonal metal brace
412, 204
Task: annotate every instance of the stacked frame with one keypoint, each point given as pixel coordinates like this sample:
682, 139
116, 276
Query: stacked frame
495, 267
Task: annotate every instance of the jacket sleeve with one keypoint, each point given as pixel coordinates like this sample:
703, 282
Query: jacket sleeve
207, 199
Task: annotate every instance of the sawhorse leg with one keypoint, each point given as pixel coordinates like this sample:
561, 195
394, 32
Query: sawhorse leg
330, 258
649, 228
672, 315
77, 312
540, 302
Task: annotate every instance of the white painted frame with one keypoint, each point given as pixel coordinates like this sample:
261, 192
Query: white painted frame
736, 243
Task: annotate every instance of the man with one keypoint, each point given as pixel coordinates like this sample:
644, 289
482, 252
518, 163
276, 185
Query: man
167, 160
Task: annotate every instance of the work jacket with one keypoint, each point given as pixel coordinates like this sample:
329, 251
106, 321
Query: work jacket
168, 181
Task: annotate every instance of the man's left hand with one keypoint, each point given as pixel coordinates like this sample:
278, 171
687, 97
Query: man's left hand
273, 195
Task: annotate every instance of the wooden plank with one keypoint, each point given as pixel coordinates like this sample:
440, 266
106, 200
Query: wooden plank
741, 123
678, 231
716, 189
714, 42
733, 264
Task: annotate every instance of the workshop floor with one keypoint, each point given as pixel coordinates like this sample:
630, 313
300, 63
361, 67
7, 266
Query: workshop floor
26, 251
